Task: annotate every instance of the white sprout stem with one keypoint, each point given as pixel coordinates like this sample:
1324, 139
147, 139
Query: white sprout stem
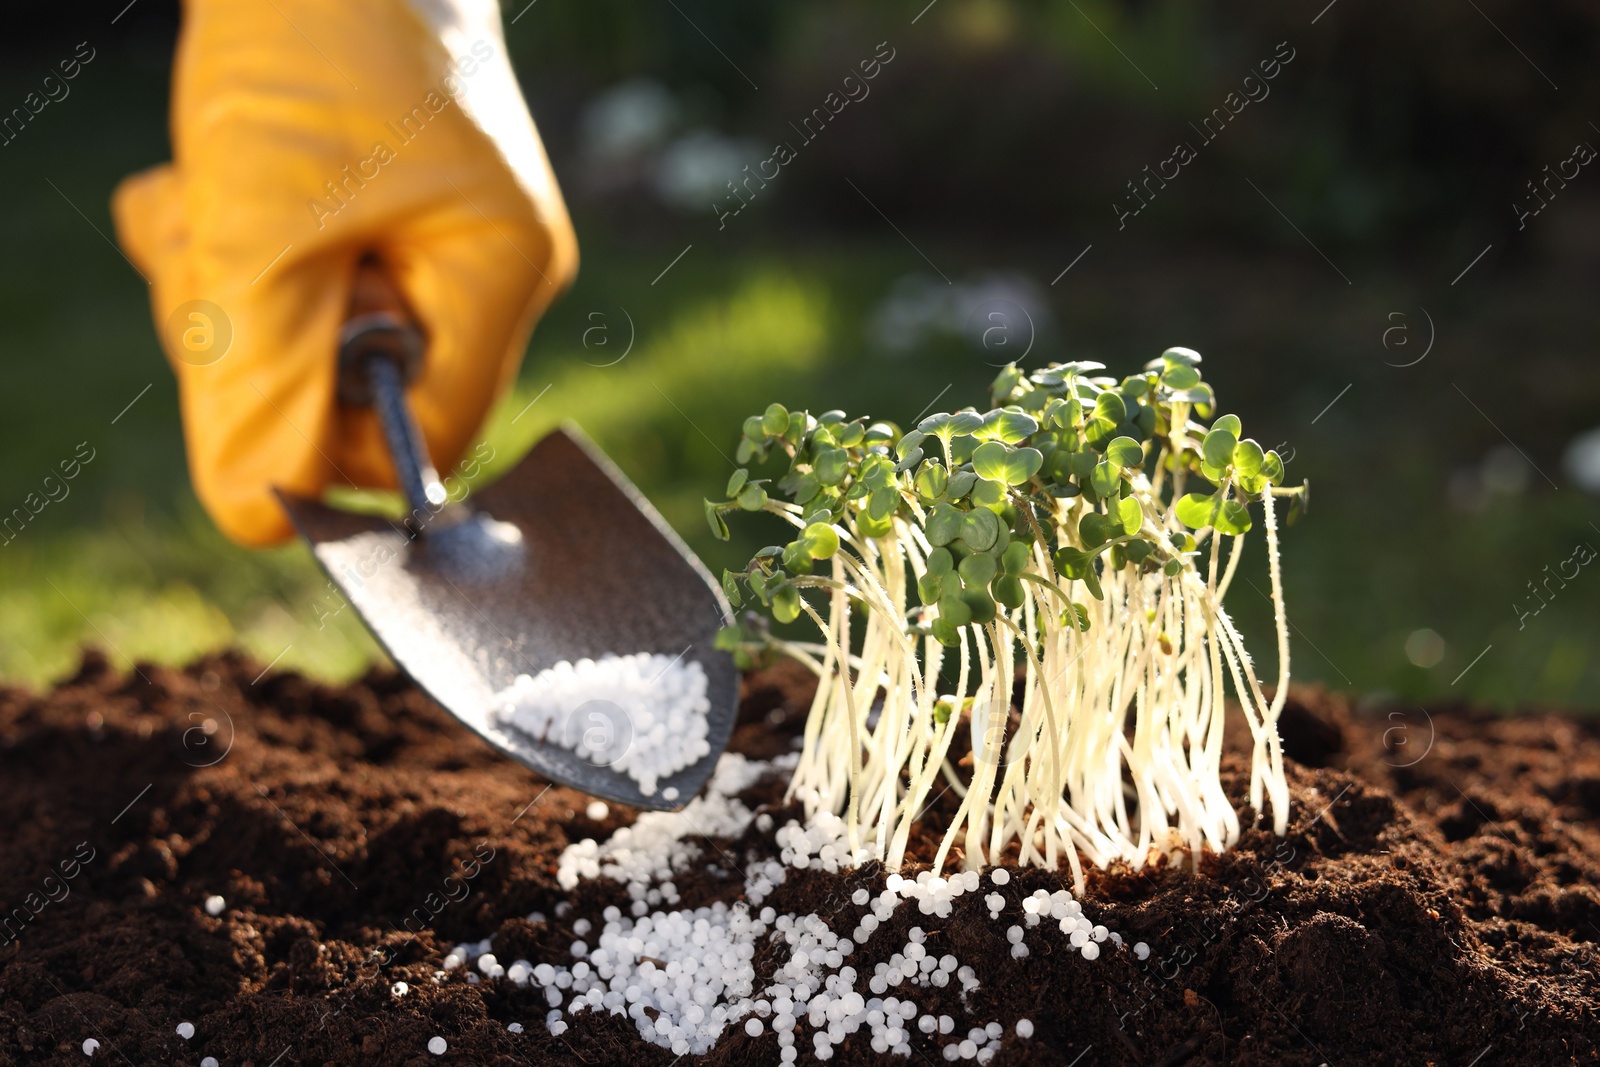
1117, 750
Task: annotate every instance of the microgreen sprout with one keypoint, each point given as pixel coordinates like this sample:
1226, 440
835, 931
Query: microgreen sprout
1072, 536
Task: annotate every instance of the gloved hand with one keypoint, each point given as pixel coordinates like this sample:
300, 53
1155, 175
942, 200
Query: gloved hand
306, 134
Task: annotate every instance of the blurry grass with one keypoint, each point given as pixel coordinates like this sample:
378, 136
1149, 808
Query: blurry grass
670, 410
151, 579
167, 587
129, 562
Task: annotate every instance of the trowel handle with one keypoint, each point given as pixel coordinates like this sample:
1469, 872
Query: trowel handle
380, 353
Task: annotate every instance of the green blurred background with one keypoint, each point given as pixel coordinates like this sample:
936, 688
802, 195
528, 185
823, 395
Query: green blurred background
1346, 254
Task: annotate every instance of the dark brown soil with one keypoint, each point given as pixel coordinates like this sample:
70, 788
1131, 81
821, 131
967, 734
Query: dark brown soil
1437, 898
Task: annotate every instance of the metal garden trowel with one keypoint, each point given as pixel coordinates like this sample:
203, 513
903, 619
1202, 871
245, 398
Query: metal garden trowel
560, 559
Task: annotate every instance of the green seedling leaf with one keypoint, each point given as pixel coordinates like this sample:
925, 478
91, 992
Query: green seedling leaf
1023, 464
977, 570
989, 461
1252, 484
786, 603
730, 589
796, 560
1200, 396
1096, 529
1300, 502
932, 480
1105, 479
1061, 373
939, 562
910, 461
980, 529
1229, 423
878, 471
991, 495
872, 527
961, 484
752, 498
759, 582
1187, 357
849, 435
736, 482
1072, 562
753, 428
827, 507
1076, 615
1234, 518
1217, 448
1195, 510
775, 420
719, 527
882, 502
1172, 567
1063, 413
963, 423
1012, 427
1272, 467
1125, 452
979, 604
1131, 514
1138, 550
1109, 411
1005, 383
909, 442
1058, 465
1015, 558
954, 610
928, 588
1007, 589
806, 487
1181, 376
831, 465
1248, 458
948, 634
821, 540
943, 526
881, 433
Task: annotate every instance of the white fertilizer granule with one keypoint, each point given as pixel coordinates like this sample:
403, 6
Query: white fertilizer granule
690, 977
643, 715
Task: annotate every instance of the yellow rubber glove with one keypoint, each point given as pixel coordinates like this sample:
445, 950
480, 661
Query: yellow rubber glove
305, 134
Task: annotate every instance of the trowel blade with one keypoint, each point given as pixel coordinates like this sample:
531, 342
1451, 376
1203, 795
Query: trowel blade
597, 571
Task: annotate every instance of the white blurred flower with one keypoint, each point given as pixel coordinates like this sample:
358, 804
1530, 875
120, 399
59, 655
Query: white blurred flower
694, 170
